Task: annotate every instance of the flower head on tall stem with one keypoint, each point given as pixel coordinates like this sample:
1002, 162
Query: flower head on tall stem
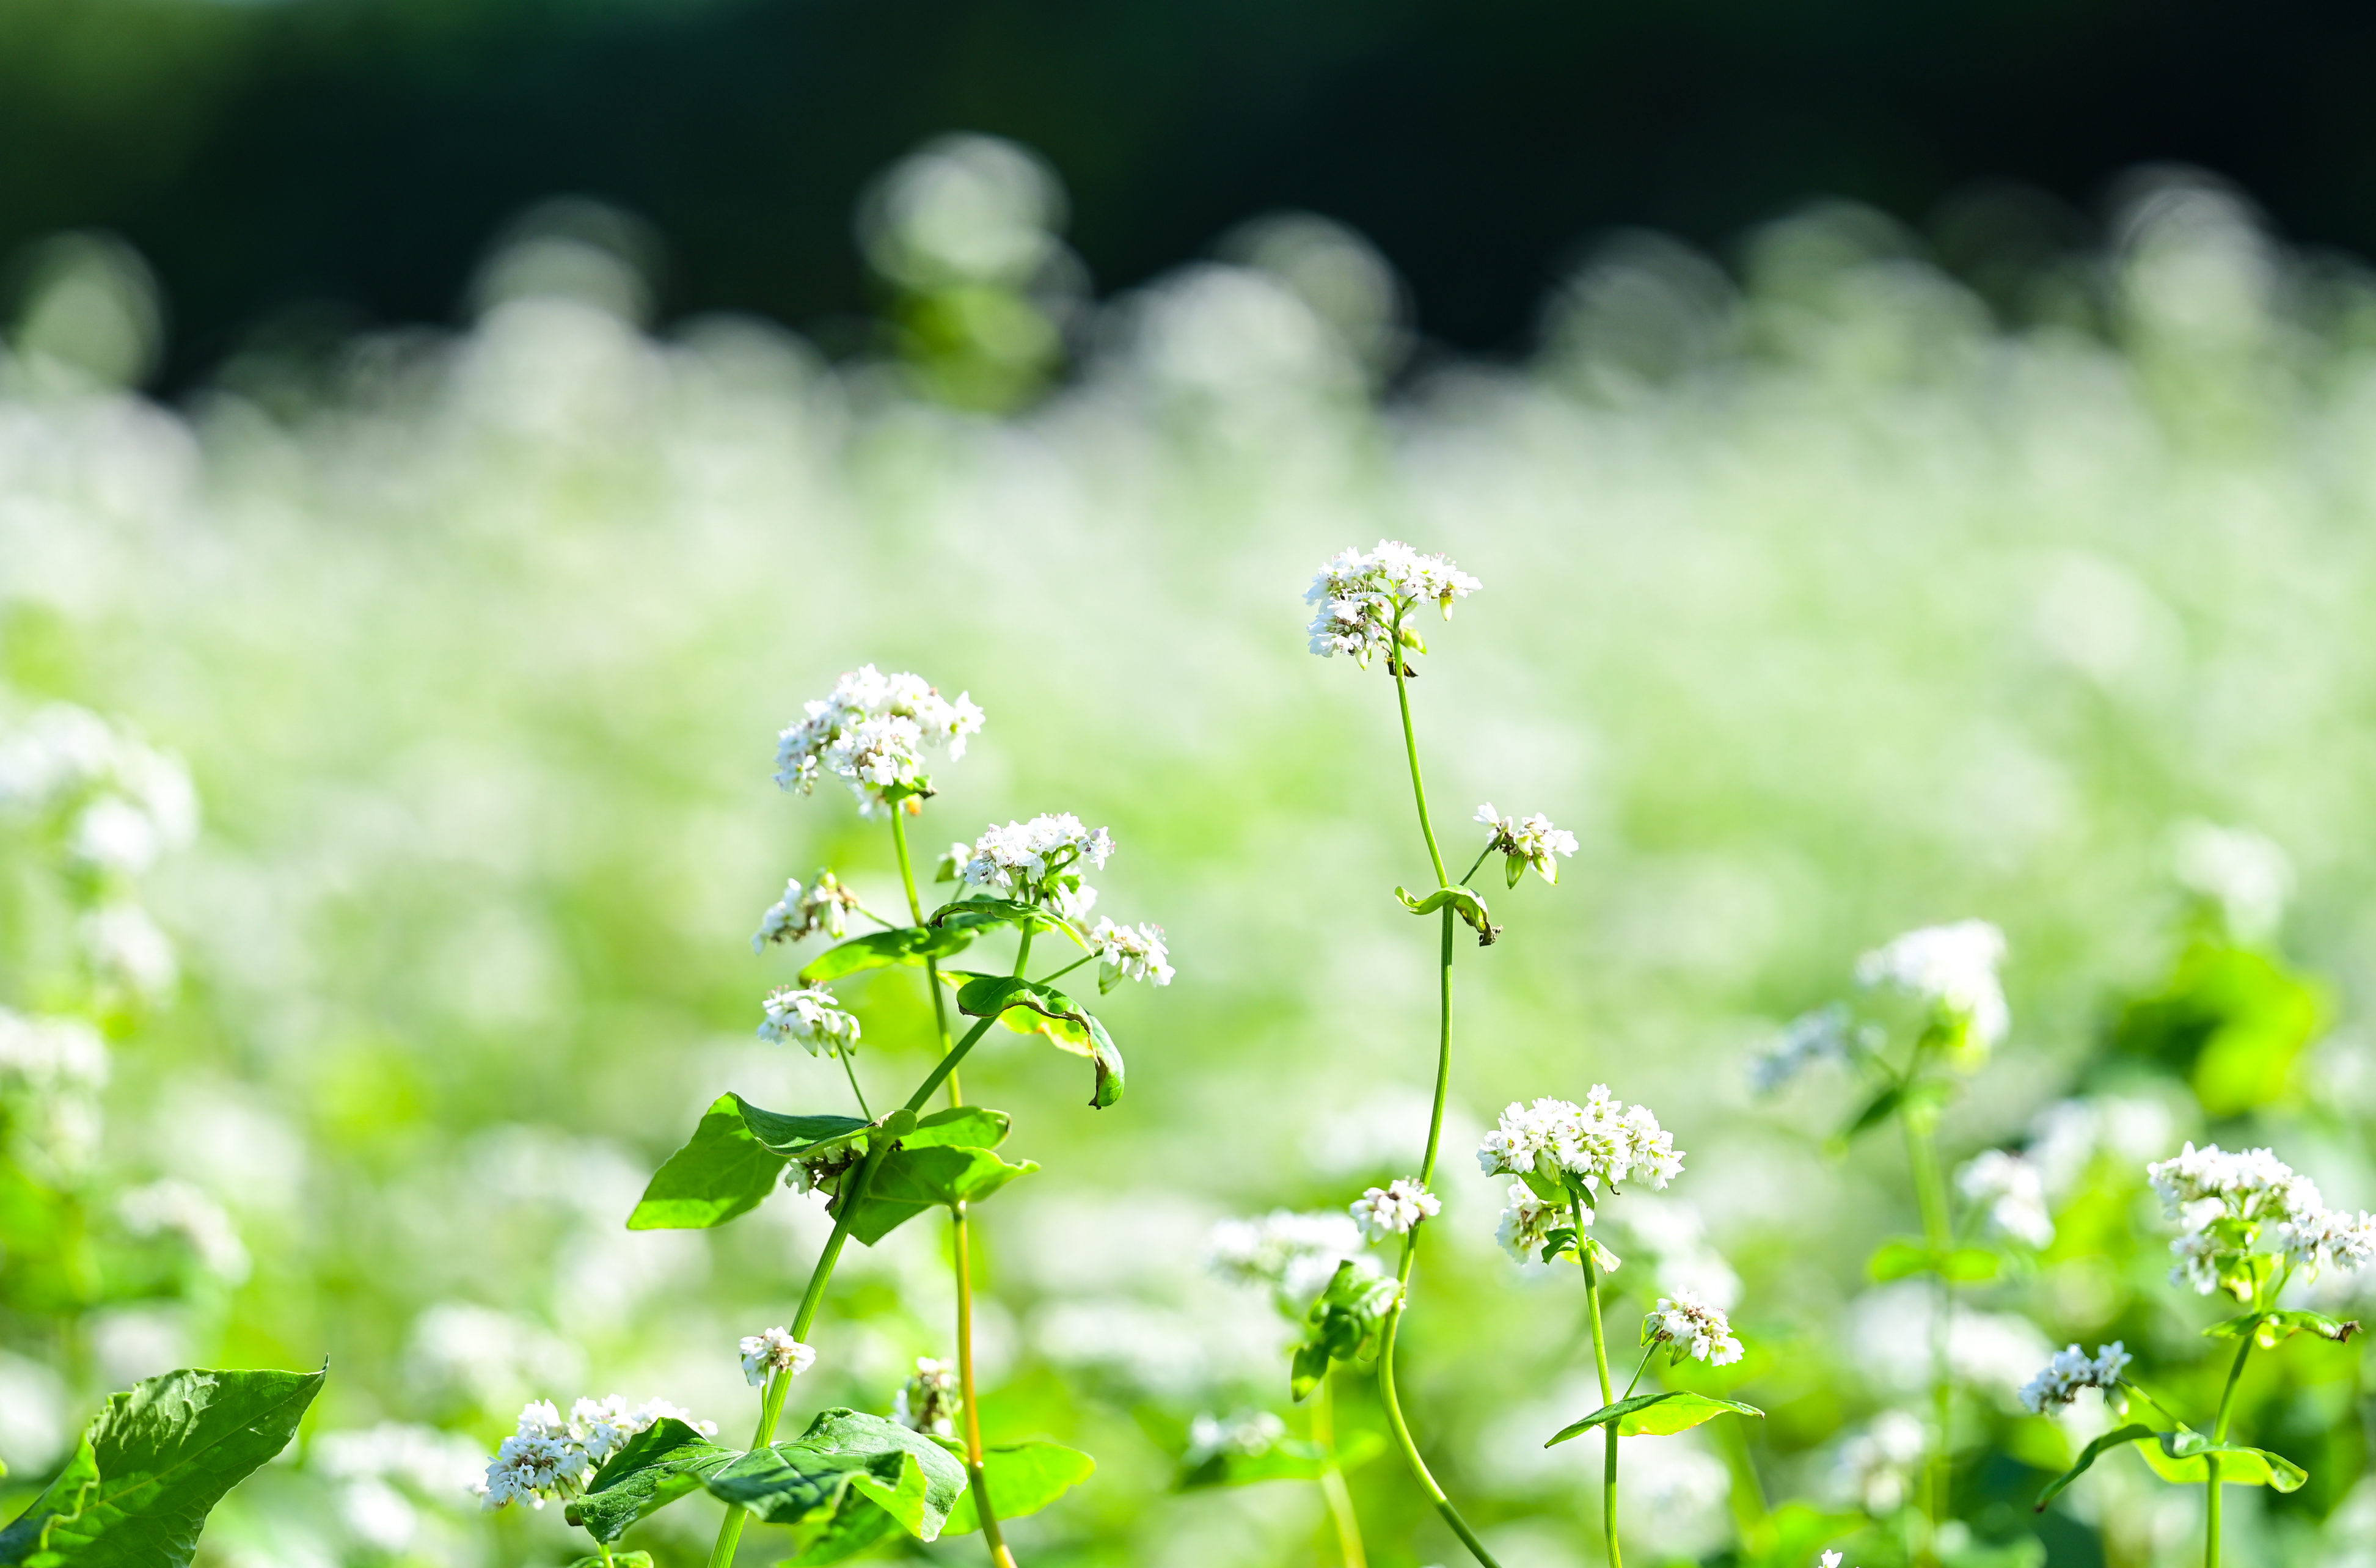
1394, 1210
802, 912
1526, 841
1295, 1255
1954, 969
1572, 1149
773, 1351
1693, 1329
548, 1458
870, 732
1130, 953
1363, 597
2073, 1369
2232, 1207
1038, 861
929, 1403
812, 1017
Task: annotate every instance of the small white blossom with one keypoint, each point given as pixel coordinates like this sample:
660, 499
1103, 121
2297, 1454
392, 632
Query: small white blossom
1952, 967
2222, 1202
548, 1458
605, 1425
1394, 1210
2331, 1238
1875, 1468
774, 1350
177, 1208
2072, 1369
1130, 952
48, 1056
1601, 1140
870, 732
803, 912
1526, 1224
812, 1174
2246, 875
1361, 595
64, 755
1694, 1326
952, 864
2013, 1190
1805, 1041
1294, 1254
1246, 1432
929, 1403
1830, 1559
128, 949
1023, 856
812, 1017
1530, 840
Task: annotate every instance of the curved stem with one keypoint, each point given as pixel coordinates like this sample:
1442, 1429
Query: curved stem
1471, 874
1639, 1367
1601, 1364
975, 1474
1332, 1479
1931, 1192
1410, 749
1402, 1429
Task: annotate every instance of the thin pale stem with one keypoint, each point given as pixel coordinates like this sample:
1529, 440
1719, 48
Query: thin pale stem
1332, 1479
1023, 948
1471, 874
1639, 1367
974, 1470
1410, 749
1938, 1234
931, 965
1059, 974
948, 1064
1600, 1365
851, 1070
2211, 1461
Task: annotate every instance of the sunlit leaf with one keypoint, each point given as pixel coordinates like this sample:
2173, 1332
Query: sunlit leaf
722, 1172
1030, 1005
2134, 1432
970, 915
1463, 902
655, 1467
903, 944
2268, 1329
909, 1181
1022, 1478
1656, 1415
904, 1473
2185, 1457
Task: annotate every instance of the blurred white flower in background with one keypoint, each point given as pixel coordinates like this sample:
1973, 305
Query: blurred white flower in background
2012, 1190
1873, 1468
486, 1357
2242, 874
174, 1207
1954, 967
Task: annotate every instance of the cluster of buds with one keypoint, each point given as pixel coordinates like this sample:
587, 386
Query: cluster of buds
810, 1016
1362, 598
1526, 841
803, 912
1034, 860
2232, 1208
1130, 952
774, 1350
929, 1403
1695, 1329
1394, 1210
2073, 1369
1562, 1148
548, 1458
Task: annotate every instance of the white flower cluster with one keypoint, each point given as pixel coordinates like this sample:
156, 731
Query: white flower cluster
1695, 1327
549, 1458
1296, 1255
131, 803
2223, 1202
810, 1174
1022, 856
929, 1403
771, 1351
1528, 840
871, 733
2062, 1379
172, 1207
50, 1056
1527, 1222
1130, 952
1875, 1467
1581, 1146
802, 912
1246, 1432
1952, 967
812, 1017
1360, 597
1823, 1035
1394, 1210
2013, 1190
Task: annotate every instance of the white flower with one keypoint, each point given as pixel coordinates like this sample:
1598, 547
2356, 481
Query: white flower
1246, 1432
774, 1350
1023, 856
1360, 596
2330, 1238
1875, 1468
1526, 1224
1692, 1326
2245, 874
952, 864
47, 1055
1952, 967
1295, 1254
144, 803
871, 733
1127, 952
813, 1017
2223, 1201
929, 1403
548, 1458
2072, 1369
1394, 1210
2013, 1191
1528, 840
176, 1207
1831, 1559
1809, 1039
128, 950
1602, 1140
810, 1174
803, 912
605, 1425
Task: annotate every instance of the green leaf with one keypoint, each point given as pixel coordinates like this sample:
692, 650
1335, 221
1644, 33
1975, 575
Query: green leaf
2133, 1432
152, 1465
1656, 1415
1284, 1460
722, 1172
618, 1559
909, 1181
2185, 1457
1799, 1531
1514, 867
1877, 1110
1970, 1264
1022, 1478
903, 944
904, 1473
796, 1138
1341, 1324
1465, 903
2268, 1328
653, 1469
969, 915
1896, 1260
1028, 1006
854, 1525
962, 1126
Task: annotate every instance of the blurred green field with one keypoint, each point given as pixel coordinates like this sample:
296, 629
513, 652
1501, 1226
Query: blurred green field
1819, 605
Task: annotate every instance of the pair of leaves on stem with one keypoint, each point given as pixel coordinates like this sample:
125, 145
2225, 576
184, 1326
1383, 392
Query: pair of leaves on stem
1463, 902
846, 1483
1342, 1324
2184, 1457
1656, 1415
153, 1464
737, 1157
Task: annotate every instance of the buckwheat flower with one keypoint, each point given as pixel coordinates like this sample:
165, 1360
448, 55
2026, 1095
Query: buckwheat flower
929, 1403
2328, 1238
128, 950
1807, 1040
1528, 841
2223, 1203
1026, 857
1583, 1146
1830, 1559
870, 732
2070, 1369
952, 864
803, 912
1296, 1255
1694, 1328
542, 1461
1394, 1210
607, 1424
1360, 597
176, 1208
2013, 1190
1952, 967
771, 1351
815, 1173
1526, 1224
813, 1017
1245, 1432
1130, 952
50, 1056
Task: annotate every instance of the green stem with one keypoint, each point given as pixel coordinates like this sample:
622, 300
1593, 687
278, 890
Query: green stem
780, 1384
1608, 1397
1641, 1367
1060, 974
1410, 749
975, 1474
948, 1064
931, 965
1332, 1479
1023, 948
851, 1069
1931, 1192
1471, 876
2211, 1461
1748, 1496
1402, 1429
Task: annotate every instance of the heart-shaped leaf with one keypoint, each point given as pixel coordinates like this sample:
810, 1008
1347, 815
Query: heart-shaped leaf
960, 1126
1022, 1478
903, 944
2185, 1457
655, 1467
1656, 1415
908, 1182
903, 1473
733, 1161
2134, 1432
